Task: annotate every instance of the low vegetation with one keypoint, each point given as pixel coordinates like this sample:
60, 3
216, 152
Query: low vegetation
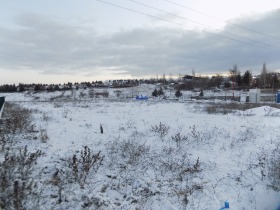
141, 164
225, 108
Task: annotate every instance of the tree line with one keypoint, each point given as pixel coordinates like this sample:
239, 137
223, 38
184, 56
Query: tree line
235, 80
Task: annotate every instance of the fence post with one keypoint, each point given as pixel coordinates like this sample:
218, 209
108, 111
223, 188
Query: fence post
2, 102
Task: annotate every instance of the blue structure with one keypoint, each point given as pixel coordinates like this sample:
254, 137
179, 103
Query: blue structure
278, 97
141, 97
226, 206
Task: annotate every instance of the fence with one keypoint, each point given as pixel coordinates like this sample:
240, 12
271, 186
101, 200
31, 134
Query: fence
2, 102
264, 98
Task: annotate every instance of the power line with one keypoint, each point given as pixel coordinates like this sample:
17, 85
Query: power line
233, 24
254, 41
172, 22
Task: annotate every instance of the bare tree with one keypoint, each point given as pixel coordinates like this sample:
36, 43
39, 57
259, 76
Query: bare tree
233, 74
264, 80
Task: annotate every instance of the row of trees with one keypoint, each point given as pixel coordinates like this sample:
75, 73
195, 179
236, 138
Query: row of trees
265, 80
235, 80
48, 87
178, 93
68, 86
160, 92
244, 81
8, 88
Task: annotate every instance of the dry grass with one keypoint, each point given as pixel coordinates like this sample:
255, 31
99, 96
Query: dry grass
225, 108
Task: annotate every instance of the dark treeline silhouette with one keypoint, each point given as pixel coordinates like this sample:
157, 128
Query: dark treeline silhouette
234, 80
68, 86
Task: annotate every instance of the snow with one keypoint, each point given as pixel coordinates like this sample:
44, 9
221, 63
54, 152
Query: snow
228, 147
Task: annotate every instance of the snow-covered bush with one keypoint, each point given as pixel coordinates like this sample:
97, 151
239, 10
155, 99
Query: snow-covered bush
91, 93
3, 140
17, 119
17, 184
244, 136
161, 130
274, 168
43, 135
79, 167
126, 152
179, 138
218, 109
271, 111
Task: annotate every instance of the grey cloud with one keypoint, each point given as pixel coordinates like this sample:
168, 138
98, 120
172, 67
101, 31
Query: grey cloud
50, 46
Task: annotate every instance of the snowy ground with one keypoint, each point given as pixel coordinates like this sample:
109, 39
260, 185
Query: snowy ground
157, 154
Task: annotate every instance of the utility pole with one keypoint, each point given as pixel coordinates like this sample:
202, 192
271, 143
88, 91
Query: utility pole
233, 87
233, 72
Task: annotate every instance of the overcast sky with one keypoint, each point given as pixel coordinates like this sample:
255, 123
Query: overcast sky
51, 41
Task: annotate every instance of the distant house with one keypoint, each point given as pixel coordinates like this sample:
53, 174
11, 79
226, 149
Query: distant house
187, 78
277, 75
158, 85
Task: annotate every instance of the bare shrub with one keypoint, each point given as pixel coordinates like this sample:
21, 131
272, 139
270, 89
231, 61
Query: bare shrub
161, 130
17, 119
93, 202
274, 168
16, 182
190, 187
54, 98
247, 113
210, 109
132, 151
4, 139
219, 109
195, 135
82, 95
43, 135
104, 94
213, 109
271, 111
183, 169
118, 93
186, 176
57, 105
65, 113
225, 108
45, 117
177, 162
178, 138
75, 170
243, 137
91, 93
126, 152
80, 166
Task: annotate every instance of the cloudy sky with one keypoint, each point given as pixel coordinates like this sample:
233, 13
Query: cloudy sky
50, 41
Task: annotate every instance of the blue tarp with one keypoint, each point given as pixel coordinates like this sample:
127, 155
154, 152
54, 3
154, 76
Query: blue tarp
141, 97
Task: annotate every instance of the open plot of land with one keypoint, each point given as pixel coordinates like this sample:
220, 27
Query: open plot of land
151, 155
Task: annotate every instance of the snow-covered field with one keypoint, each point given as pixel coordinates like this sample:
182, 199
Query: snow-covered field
154, 154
